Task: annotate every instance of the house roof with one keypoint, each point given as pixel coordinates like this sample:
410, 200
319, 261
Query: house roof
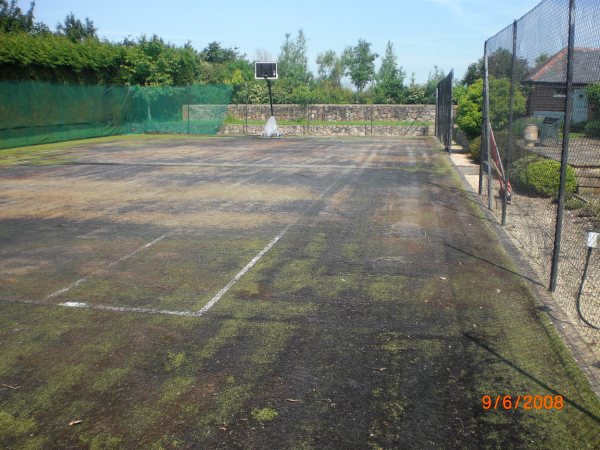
586, 67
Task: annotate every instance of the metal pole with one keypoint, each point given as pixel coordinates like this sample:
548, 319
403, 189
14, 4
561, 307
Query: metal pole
488, 159
449, 112
484, 140
437, 109
270, 97
247, 100
565, 149
511, 114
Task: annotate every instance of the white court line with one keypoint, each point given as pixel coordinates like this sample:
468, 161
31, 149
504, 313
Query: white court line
112, 264
213, 301
241, 273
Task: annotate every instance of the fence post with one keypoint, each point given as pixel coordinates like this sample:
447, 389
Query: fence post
488, 159
565, 149
484, 129
448, 136
511, 115
437, 110
247, 101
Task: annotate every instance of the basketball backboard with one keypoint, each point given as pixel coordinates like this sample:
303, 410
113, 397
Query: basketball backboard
265, 70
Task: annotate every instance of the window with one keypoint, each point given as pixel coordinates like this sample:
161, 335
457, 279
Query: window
560, 92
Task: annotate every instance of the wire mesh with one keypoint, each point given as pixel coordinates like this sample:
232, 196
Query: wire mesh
443, 112
548, 115
37, 112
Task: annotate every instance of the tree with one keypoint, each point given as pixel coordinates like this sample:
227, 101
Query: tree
331, 67
214, 53
474, 72
76, 31
500, 65
292, 61
432, 82
390, 78
360, 64
469, 111
13, 19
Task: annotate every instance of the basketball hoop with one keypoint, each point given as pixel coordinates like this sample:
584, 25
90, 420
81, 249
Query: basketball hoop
268, 71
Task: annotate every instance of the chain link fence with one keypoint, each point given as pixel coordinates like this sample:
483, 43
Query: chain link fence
443, 111
540, 170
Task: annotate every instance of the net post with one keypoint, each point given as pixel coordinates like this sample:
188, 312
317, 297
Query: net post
483, 146
510, 138
565, 149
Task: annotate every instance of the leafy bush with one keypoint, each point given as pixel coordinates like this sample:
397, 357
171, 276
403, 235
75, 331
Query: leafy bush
543, 177
468, 113
592, 92
518, 171
592, 128
475, 149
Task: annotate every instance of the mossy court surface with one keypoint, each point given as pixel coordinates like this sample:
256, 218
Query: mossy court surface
180, 292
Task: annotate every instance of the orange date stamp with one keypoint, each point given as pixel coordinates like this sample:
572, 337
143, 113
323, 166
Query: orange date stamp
526, 402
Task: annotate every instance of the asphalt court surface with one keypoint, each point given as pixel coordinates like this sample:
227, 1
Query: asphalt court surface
185, 292
106, 227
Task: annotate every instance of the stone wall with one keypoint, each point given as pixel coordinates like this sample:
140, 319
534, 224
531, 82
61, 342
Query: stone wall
334, 130
335, 113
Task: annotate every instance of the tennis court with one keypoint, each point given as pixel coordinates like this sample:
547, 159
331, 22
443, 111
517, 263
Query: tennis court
212, 292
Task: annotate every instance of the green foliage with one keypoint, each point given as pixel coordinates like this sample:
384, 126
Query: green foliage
592, 128
518, 170
264, 415
432, 81
500, 102
593, 94
543, 177
500, 65
292, 61
415, 94
73, 54
13, 19
360, 64
473, 73
75, 31
331, 68
215, 54
390, 79
475, 149
468, 113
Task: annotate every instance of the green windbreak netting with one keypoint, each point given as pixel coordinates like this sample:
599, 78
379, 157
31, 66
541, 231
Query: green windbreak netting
34, 112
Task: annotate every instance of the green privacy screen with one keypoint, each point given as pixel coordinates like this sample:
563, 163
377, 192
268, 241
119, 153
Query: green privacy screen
34, 112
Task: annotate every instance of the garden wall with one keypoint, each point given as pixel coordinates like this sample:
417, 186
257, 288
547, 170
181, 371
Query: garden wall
334, 130
335, 113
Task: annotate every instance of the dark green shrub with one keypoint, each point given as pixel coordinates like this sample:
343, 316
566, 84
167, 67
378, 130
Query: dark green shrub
518, 171
543, 177
592, 128
475, 149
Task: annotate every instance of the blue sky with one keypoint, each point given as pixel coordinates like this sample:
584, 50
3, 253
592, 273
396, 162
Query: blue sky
446, 33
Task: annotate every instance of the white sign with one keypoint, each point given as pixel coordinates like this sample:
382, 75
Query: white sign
592, 239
